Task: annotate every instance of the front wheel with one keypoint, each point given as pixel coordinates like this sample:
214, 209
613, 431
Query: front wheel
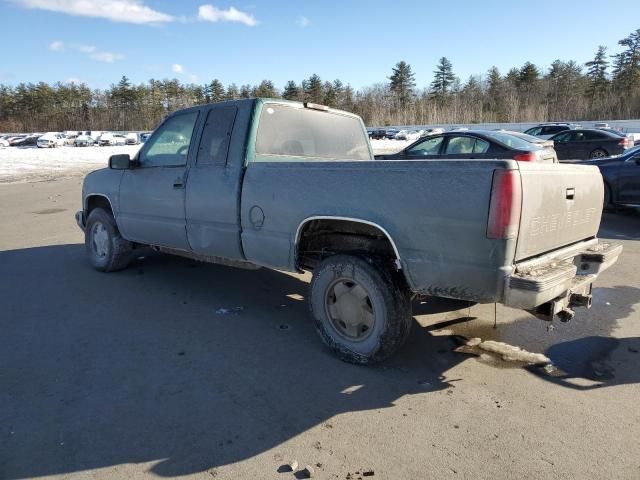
361, 311
598, 153
107, 250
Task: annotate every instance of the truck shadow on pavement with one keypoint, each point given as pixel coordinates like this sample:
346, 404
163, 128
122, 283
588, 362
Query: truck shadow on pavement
188, 365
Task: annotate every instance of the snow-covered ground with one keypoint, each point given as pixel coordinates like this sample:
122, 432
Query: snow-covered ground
38, 164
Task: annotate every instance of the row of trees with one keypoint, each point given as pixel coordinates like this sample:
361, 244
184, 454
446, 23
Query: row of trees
605, 87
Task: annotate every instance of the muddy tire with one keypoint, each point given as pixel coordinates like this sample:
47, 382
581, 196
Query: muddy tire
362, 311
106, 249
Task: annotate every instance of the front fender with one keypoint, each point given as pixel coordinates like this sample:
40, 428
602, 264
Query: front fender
104, 183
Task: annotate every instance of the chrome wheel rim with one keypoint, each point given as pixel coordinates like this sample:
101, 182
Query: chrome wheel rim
99, 240
598, 154
349, 309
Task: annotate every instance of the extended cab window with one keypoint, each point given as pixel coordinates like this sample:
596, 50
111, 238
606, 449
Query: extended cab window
291, 133
214, 143
169, 145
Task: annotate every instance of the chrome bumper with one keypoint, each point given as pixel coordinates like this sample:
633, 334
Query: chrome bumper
560, 279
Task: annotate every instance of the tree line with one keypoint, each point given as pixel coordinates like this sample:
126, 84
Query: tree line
607, 87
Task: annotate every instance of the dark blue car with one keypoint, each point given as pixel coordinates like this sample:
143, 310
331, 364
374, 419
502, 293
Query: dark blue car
621, 176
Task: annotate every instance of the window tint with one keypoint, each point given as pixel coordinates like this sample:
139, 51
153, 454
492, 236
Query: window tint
306, 134
481, 146
595, 136
460, 145
430, 146
534, 131
169, 145
509, 140
562, 137
214, 143
552, 130
577, 137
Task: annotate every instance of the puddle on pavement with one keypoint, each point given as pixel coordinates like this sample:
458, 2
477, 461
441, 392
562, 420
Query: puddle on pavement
577, 356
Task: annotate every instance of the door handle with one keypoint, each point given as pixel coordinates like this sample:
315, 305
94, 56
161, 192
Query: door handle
571, 192
178, 183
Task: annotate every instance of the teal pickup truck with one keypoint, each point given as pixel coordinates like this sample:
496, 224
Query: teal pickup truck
295, 187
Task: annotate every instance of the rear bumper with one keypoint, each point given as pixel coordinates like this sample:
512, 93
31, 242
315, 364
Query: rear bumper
559, 279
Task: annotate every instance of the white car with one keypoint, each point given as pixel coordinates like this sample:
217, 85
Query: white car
3, 142
51, 140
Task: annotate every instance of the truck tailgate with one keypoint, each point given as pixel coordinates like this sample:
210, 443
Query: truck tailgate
561, 204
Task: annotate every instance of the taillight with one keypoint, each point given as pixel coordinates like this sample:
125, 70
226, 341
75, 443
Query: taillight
505, 205
526, 157
624, 142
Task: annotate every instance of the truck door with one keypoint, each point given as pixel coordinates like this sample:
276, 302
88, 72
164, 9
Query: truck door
152, 195
629, 181
213, 189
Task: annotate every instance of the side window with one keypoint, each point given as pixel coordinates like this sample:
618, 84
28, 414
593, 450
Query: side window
550, 130
481, 146
534, 131
169, 145
563, 137
595, 136
460, 145
577, 137
430, 146
214, 143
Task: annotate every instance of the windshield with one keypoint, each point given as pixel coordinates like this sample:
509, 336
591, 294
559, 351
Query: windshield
291, 131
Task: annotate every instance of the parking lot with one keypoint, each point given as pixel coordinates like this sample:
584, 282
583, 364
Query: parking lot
173, 367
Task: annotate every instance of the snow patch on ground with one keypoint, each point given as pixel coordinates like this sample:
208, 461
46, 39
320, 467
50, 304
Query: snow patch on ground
509, 353
37, 164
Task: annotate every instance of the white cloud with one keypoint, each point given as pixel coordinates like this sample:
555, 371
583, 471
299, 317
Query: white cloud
193, 78
209, 13
106, 57
75, 80
56, 46
177, 68
303, 21
125, 11
91, 51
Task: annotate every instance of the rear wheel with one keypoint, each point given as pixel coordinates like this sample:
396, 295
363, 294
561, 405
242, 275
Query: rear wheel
598, 153
107, 250
362, 312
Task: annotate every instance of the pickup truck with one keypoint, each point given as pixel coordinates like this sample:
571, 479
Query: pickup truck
291, 186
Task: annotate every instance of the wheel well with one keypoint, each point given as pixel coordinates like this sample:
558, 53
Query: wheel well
98, 201
321, 238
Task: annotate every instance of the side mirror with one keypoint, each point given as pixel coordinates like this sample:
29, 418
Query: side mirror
120, 162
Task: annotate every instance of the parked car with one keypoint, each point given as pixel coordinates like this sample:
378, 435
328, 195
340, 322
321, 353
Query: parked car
51, 140
4, 142
29, 141
432, 131
13, 141
108, 139
548, 130
589, 143
132, 139
144, 137
120, 139
621, 176
277, 198
378, 134
477, 144
84, 141
391, 133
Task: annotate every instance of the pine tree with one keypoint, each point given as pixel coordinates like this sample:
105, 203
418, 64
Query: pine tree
626, 72
245, 91
215, 91
266, 89
291, 91
528, 76
232, 92
444, 78
597, 74
313, 91
402, 83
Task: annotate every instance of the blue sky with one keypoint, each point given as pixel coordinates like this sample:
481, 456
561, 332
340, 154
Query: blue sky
98, 41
